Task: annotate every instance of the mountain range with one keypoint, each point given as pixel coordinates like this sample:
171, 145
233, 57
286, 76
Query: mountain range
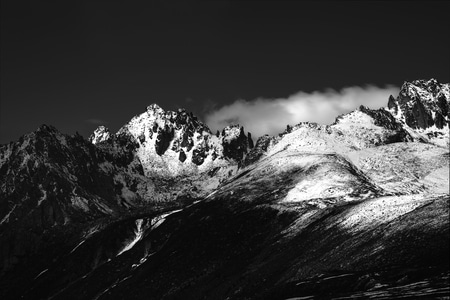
166, 209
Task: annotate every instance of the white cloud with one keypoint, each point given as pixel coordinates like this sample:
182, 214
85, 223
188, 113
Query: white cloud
261, 116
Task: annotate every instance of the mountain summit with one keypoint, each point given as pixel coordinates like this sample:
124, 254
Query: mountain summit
174, 143
423, 106
165, 209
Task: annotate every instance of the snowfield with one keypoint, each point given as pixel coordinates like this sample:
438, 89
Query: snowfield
406, 168
372, 213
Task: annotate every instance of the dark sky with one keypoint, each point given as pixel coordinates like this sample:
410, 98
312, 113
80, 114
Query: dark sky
76, 64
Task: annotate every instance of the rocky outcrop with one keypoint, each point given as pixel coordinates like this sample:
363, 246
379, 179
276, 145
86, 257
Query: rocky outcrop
165, 136
258, 150
170, 143
99, 135
382, 118
392, 104
250, 140
182, 156
416, 116
422, 104
235, 143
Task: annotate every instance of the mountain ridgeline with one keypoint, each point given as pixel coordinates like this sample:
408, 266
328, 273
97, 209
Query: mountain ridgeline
161, 136
166, 209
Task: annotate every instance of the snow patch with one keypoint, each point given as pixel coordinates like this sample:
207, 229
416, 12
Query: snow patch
40, 274
139, 233
157, 221
231, 133
44, 195
76, 247
405, 168
438, 181
333, 186
372, 213
6, 217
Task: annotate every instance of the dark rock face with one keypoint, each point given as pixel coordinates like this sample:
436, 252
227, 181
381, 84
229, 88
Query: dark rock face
440, 121
443, 105
417, 116
382, 118
165, 136
187, 141
199, 155
422, 117
50, 183
190, 125
288, 129
236, 148
392, 104
182, 156
417, 100
250, 140
119, 149
258, 150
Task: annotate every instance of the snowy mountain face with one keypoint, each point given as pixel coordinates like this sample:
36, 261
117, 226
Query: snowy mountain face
163, 208
176, 143
178, 153
419, 113
357, 130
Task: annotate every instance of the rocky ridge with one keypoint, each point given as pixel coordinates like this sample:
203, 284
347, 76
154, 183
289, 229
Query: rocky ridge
172, 143
419, 113
165, 209
423, 106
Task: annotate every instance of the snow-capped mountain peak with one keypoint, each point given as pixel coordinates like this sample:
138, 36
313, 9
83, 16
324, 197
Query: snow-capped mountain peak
155, 108
172, 143
422, 106
423, 89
